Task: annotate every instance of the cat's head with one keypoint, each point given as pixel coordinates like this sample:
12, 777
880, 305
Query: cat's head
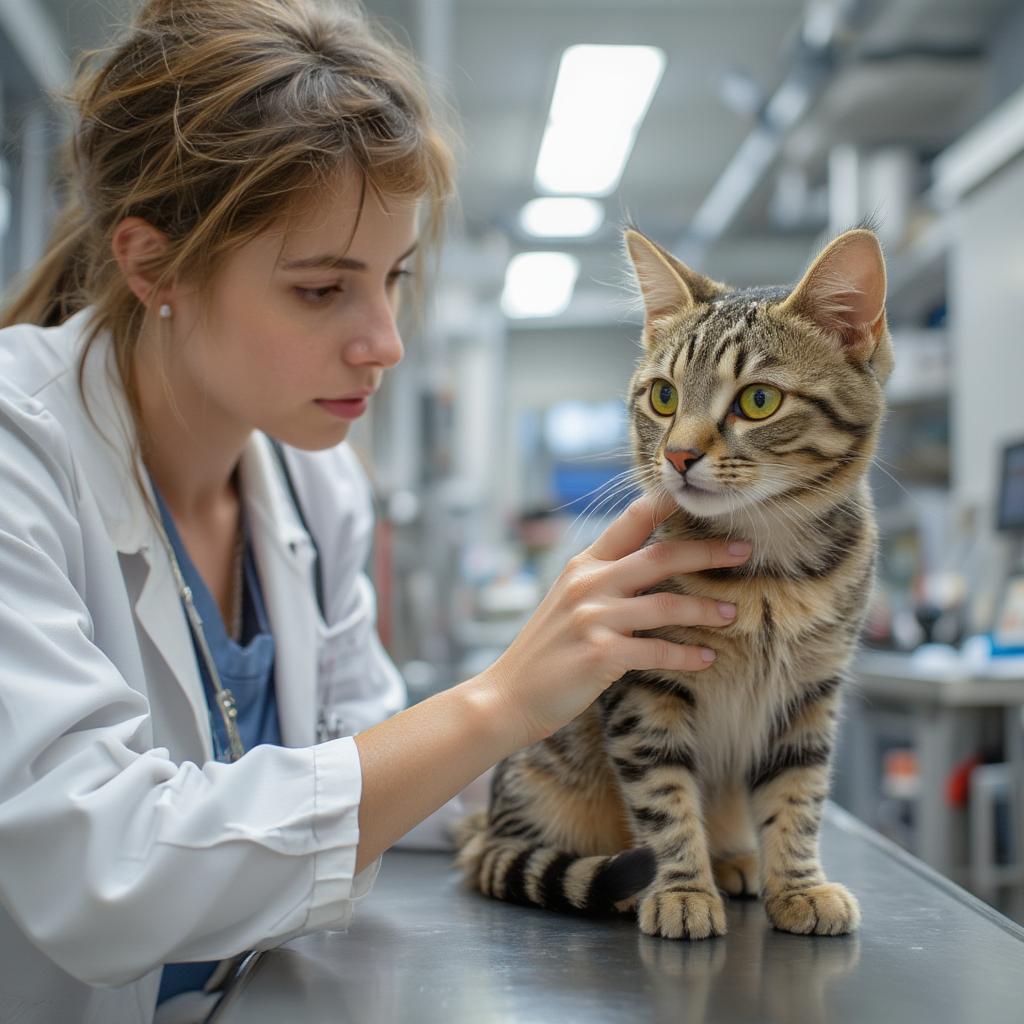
760, 400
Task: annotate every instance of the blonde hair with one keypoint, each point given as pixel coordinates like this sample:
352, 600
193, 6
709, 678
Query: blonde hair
212, 120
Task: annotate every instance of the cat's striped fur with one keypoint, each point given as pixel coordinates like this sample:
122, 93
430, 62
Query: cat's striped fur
722, 773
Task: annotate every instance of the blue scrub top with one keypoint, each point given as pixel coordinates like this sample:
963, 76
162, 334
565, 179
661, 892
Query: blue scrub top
246, 668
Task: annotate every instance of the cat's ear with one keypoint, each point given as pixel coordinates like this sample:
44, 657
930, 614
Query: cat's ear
667, 284
843, 292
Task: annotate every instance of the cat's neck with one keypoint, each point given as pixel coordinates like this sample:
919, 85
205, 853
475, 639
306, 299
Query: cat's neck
789, 541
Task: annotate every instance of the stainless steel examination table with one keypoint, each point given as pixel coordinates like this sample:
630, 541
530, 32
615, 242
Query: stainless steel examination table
422, 950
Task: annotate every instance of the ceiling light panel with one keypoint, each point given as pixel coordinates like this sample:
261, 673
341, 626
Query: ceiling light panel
539, 284
561, 217
601, 97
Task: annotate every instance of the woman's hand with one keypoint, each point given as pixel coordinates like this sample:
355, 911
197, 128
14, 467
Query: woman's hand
580, 639
575, 644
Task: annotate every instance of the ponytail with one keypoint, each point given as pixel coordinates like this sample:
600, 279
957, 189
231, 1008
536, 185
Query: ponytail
53, 290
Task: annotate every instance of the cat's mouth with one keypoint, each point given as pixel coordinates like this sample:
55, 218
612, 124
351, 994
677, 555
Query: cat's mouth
695, 493
691, 488
700, 500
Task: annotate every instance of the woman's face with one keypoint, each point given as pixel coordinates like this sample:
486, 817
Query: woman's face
301, 323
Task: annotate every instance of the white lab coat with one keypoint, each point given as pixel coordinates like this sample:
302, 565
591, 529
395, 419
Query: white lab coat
122, 846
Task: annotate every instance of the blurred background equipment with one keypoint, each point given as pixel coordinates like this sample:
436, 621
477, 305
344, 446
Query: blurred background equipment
739, 134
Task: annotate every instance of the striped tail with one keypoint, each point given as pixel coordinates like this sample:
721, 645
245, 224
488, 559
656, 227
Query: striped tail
543, 876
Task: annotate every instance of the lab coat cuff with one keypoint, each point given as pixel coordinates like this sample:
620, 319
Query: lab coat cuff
338, 790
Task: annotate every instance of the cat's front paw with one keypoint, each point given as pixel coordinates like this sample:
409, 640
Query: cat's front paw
738, 875
682, 915
827, 909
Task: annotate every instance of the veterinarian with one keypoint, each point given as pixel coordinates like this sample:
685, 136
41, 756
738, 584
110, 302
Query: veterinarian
203, 750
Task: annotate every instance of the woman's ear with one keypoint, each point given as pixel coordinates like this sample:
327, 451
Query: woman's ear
137, 247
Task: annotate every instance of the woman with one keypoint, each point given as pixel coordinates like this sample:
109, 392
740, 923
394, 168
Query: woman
201, 750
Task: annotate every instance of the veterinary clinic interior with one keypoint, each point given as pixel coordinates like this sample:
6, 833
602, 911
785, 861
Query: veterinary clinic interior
606, 154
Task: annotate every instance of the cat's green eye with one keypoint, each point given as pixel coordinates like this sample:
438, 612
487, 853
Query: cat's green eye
758, 401
664, 397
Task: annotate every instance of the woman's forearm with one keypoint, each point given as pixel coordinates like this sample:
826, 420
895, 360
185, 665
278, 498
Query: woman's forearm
582, 637
416, 761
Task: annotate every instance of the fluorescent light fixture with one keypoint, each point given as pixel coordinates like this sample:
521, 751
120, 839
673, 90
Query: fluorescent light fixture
820, 24
539, 284
735, 184
788, 104
601, 96
556, 217
740, 93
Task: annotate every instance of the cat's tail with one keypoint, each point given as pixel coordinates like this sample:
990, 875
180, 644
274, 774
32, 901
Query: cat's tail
542, 876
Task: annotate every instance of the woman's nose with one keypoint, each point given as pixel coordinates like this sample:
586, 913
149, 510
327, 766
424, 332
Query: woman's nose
379, 343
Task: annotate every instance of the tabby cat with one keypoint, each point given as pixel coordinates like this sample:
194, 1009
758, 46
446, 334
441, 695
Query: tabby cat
758, 410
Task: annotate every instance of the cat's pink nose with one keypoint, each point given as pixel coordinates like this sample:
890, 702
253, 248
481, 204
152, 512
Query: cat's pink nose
683, 458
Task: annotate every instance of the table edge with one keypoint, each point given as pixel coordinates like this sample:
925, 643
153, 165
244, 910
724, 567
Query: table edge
844, 820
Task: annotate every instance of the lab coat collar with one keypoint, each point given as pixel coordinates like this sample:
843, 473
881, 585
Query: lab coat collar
283, 550
285, 556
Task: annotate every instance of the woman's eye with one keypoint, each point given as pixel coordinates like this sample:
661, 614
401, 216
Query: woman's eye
664, 397
758, 401
396, 275
317, 296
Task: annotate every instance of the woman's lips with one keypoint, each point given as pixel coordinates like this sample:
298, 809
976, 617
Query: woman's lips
344, 408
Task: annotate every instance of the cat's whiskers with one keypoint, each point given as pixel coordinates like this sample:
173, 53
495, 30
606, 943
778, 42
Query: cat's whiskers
781, 498
814, 531
600, 487
778, 532
836, 495
762, 505
608, 453
757, 510
878, 462
796, 501
606, 497
773, 536
608, 502
622, 484
622, 479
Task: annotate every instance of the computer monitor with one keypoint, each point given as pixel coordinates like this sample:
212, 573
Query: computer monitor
1010, 510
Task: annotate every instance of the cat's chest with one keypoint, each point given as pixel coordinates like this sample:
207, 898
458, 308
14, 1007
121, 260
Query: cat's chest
785, 633
769, 611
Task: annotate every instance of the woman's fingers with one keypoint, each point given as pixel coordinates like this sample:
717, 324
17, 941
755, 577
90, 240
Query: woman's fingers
635, 568
642, 569
582, 636
653, 610
651, 654
628, 532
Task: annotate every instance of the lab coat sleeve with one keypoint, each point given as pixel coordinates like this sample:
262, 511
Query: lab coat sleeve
114, 859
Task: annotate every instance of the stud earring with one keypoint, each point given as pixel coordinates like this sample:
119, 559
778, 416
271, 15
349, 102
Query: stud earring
165, 312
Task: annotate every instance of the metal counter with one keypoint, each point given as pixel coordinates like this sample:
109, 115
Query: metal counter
422, 950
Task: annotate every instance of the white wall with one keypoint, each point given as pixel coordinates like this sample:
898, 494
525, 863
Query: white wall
986, 288
545, 367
